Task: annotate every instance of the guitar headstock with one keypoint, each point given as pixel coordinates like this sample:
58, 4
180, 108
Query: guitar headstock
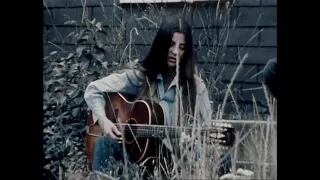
221, 133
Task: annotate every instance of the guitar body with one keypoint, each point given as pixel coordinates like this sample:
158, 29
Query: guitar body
142, 125
142, 112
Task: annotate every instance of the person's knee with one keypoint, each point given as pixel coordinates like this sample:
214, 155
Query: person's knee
102, 150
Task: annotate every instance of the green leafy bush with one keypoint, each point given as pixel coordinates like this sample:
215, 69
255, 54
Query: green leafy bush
65, 111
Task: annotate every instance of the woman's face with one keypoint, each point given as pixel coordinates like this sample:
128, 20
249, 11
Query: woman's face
177, 48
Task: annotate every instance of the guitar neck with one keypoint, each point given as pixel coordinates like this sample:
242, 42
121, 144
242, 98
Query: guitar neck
147, 130
154, 130
236, 124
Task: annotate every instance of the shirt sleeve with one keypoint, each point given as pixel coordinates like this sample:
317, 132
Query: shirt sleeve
121, 82
204, 106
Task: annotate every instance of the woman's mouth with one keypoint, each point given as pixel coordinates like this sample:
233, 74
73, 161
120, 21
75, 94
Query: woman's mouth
173, 60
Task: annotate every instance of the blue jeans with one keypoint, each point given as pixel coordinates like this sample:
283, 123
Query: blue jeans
109, 156
108, 152
225, 165
105, 151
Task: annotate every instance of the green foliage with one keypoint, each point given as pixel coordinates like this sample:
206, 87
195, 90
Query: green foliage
64, 108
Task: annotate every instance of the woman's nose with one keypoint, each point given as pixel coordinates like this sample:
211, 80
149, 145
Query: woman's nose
175, 51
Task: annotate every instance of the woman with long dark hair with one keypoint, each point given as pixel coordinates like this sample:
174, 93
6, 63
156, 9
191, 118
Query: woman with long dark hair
168, 69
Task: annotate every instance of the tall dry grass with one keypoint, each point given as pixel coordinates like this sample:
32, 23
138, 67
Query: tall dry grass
256, 145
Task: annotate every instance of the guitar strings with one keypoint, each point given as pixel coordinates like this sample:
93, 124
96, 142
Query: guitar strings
170, 129
154, 130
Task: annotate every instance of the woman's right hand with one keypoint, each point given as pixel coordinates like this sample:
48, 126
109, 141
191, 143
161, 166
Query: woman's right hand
110, 129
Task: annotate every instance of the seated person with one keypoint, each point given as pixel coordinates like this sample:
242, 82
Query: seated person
171, 49
269, 75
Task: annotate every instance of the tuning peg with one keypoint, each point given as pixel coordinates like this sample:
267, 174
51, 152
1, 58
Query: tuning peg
217, 135
216, 141
213, 123
223, 148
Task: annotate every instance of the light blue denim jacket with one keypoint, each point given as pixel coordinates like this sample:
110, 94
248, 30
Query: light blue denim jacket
129, 82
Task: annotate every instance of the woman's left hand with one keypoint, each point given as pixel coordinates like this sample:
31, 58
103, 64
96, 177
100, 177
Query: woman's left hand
185, 139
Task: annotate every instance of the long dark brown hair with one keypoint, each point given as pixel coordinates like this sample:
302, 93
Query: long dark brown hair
156, 60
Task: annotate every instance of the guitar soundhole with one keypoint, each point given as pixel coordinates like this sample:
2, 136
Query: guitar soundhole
130, 131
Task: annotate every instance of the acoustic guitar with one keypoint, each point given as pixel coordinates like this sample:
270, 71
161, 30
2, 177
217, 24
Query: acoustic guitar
143, 125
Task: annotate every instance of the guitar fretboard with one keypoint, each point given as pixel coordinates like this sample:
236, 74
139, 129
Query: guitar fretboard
162, 131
